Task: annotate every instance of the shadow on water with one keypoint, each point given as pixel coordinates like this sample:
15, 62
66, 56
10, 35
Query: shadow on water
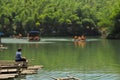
94, 59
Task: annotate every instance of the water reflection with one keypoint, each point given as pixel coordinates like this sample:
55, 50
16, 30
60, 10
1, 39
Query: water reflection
81, 44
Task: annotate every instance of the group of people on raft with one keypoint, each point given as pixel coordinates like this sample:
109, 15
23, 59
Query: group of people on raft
79, 38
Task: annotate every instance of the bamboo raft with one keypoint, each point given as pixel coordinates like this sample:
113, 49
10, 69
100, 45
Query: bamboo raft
66, 78
12, 69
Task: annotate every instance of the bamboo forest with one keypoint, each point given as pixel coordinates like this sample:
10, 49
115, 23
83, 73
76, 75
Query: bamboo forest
61, 17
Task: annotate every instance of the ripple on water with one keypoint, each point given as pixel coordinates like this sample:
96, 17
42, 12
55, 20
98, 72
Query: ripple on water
14, 40
44, 40
47, 75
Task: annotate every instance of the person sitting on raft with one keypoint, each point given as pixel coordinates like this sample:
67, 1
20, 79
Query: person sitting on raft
19, 57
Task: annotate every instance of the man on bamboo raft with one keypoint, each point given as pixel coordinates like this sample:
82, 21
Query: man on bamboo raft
19, 58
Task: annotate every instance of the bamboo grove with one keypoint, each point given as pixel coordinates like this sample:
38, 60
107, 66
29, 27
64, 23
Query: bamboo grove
60, 17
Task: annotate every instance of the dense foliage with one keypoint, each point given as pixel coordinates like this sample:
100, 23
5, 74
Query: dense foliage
59, 17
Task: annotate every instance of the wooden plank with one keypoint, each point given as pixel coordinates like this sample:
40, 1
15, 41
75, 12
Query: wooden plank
9, 64
26, 72
2, 77
7, 76
34, 67
8, 67
66, 78
14, 74
8, 71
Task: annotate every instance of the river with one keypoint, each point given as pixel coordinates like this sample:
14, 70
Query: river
95, 59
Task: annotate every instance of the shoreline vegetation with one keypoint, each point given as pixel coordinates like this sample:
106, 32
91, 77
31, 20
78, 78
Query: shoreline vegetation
51, 17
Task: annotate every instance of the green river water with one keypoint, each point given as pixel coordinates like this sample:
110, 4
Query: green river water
95, 59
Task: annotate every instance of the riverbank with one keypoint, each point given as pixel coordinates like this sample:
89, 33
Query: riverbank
113, 36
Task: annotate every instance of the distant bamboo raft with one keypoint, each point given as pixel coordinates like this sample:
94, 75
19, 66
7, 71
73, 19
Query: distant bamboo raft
12, 69
66, 78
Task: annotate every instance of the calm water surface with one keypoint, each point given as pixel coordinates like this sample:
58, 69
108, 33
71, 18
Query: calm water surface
95, 59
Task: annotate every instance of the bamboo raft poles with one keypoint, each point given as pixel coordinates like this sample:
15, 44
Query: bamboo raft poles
12, 69
66, 78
